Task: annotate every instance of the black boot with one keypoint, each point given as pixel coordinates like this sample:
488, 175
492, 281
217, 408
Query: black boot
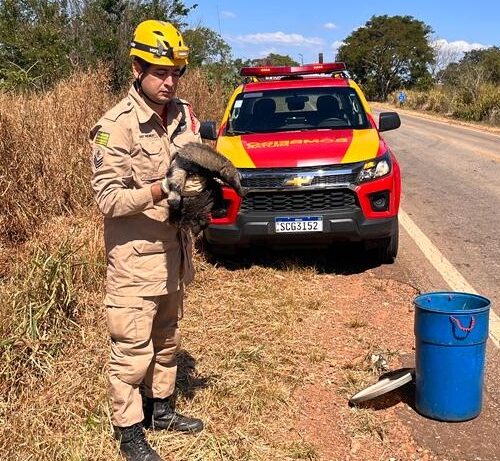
159, 414
133, 444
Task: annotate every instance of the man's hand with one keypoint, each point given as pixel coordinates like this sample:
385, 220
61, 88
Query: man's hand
157, 192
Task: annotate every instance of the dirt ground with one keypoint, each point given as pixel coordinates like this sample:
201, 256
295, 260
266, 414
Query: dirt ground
372, 321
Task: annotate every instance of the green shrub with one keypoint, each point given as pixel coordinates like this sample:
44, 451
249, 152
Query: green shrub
485, 107
480, 105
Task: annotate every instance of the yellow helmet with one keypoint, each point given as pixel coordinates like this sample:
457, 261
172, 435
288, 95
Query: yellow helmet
159, 42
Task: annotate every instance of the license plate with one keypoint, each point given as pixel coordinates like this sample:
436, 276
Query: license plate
299, 224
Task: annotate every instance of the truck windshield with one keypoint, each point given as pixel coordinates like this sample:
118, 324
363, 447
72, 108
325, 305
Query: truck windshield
296, 109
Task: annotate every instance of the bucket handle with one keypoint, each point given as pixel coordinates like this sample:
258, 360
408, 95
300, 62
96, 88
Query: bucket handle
460, 326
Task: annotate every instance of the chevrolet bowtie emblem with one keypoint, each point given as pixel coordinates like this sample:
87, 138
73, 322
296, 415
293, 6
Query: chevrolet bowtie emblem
298, 181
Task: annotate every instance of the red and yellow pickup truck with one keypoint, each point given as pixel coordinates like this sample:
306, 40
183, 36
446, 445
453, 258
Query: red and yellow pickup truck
312, 159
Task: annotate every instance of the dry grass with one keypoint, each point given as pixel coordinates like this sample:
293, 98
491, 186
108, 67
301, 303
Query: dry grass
242, 360
44, 166
475, 105
208, 99
44, 297
44, 152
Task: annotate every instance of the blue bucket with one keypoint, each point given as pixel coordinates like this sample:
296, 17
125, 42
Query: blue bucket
451, 330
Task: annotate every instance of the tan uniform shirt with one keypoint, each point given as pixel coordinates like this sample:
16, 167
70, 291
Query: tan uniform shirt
131, 149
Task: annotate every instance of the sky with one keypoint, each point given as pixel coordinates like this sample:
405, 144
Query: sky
302, 29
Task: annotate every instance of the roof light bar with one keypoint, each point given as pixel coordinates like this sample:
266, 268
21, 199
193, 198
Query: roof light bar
277, 71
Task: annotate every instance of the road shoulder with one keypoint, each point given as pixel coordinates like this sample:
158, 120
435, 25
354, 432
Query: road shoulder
437, 117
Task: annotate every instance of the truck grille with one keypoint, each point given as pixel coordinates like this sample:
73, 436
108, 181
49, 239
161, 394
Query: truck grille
300, 201
263, 182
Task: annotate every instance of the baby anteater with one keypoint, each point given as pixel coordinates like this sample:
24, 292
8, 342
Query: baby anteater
193, 211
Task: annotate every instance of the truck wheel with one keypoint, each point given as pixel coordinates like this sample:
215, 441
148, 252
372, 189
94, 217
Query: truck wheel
388, 248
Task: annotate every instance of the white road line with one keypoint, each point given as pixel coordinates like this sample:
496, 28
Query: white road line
452, 277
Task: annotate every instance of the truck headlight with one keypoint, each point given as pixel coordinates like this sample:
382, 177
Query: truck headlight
375, 168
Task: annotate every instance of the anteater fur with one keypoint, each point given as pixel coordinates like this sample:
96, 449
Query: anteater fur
202, 160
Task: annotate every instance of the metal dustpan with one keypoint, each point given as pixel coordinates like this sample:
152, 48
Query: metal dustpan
388, 382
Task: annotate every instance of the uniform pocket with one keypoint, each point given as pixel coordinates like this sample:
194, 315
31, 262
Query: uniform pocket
122, 323
150, 261
152, 161
150, 248
130, 323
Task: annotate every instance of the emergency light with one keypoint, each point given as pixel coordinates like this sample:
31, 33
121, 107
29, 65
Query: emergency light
281, 71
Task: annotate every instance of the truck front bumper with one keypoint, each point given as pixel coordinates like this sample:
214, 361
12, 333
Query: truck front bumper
260, 228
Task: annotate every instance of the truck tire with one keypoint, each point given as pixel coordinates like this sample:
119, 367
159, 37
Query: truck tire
388, 248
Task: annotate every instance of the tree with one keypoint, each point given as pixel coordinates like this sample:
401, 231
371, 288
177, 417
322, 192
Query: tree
477, 69
444, 55
479, 66
42, 41
173, 11
389, 52
206, 47
33, 42
273, 59
488, 59
229, 72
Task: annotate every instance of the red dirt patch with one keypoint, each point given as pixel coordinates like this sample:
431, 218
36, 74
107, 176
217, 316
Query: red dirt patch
369, 318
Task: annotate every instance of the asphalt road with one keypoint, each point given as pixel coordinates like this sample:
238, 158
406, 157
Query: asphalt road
451, 190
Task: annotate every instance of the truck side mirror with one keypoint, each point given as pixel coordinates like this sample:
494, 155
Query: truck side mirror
208, 130
388, 121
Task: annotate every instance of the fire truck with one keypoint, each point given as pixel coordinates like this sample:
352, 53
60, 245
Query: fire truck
313, 162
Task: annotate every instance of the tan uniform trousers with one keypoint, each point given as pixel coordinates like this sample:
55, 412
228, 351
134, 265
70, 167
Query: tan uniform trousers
145, 339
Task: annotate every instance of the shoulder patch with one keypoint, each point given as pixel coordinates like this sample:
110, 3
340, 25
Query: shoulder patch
102, 138
97, 158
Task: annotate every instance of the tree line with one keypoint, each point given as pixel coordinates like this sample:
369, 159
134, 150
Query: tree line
391, 53
42, 41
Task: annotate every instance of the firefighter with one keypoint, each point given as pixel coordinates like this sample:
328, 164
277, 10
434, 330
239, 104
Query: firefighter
149, 259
